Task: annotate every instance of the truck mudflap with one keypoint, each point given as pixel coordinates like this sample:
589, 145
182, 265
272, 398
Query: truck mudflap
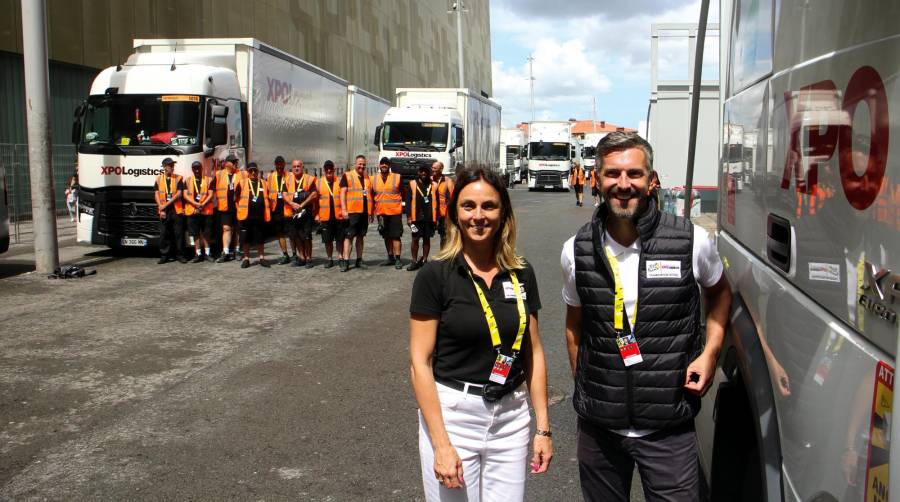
743, 389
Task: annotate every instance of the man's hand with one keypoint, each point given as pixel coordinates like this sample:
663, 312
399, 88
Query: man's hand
294, 205
345, 213
700, 373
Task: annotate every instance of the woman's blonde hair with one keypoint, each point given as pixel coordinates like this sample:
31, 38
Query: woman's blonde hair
505, 240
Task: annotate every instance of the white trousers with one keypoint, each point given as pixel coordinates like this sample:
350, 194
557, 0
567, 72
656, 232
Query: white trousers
491, 439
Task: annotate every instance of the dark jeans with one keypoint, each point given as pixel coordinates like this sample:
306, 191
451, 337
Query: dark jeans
171, 235
666, 460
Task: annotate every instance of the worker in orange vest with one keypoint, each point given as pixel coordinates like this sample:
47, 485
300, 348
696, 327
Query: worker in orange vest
198, 210
227, 180
595, 184
422, 216
389, 211
330, 214
252, 197
576, 181
168, 188
358, 208
275, 187
443, 193
300, 200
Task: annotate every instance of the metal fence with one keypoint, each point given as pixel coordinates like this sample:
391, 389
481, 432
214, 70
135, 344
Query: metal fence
14, 157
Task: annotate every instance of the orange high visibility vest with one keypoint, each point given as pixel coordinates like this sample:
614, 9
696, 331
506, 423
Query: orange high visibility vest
444, 193
413, 188
192, 193
163, 194
222, 187
387, 195
334, 191
356, 192
291, 186
577, 177
243, 206
274, 188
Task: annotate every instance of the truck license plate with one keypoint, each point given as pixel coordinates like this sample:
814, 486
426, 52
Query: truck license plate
548, 186
133, 242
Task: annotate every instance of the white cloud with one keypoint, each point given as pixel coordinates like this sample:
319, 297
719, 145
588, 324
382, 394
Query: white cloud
583, 48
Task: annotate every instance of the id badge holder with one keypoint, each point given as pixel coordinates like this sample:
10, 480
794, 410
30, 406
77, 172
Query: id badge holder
168, 196
426, 200
500, 371
628, 349
197, 197
279, 195
254, 199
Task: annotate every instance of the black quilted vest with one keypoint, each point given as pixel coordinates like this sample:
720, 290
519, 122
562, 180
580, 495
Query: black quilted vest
650, 394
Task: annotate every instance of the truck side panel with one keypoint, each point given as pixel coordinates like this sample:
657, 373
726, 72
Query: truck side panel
296, 113
364, 114
482, 133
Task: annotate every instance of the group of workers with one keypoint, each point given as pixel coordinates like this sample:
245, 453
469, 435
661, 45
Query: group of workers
577, 180
292, 203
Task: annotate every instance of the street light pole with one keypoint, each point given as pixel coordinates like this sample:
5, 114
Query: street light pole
37, 99
531, 82
458, 7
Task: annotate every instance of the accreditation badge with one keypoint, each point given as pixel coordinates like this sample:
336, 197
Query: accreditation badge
501, 369
426, 200
197, 197
168, 196
628, 349
279, 195
254, 199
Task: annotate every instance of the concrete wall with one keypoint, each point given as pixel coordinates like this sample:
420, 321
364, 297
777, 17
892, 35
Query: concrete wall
378, 45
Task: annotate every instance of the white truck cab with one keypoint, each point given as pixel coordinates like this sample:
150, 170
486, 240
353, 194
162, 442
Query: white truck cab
549, 154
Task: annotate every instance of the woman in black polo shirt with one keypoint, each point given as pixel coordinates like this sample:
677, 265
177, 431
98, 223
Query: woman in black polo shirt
473, 344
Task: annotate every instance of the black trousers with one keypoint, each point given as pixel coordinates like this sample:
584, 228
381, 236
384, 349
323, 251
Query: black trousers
171, 235
666, 460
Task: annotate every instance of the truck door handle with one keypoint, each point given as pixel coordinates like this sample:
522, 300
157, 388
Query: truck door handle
779, 242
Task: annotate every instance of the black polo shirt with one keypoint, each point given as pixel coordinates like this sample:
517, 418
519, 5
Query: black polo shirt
463, 350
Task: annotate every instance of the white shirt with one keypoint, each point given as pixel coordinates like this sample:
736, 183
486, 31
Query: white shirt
707, 268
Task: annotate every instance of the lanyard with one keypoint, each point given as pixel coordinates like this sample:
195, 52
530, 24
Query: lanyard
278, 182
166, 182
258, 186
328, 186
492, 322
419, 188
618, 315
301, 183
196, 186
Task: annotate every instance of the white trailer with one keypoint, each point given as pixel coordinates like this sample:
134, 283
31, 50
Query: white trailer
365, 112
195, 100
549, 154
512, 153
453, 126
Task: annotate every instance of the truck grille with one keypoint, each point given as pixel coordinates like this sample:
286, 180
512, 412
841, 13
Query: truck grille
408, 166
548, 178
128, 219
510, 160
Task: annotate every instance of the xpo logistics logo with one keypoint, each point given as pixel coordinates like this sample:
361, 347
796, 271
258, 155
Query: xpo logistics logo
129, 171
279, 91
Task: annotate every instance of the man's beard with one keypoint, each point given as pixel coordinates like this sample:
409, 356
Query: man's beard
626, 213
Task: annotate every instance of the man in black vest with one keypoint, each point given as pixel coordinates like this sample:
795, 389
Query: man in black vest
633, 332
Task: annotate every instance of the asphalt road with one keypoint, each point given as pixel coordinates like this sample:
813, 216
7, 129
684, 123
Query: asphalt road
208, 382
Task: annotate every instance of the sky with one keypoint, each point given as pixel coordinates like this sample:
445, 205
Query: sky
586, 49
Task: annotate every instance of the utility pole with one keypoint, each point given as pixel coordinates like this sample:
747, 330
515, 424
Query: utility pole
531, 82
37, 98
594, 113
458, 7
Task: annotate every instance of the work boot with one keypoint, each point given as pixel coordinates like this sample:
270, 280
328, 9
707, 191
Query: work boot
416, 265
264, 263
163, 260
198, 258
388, 262
245, 263
398, 264
330, 263
345, 265
360, 264
285, 259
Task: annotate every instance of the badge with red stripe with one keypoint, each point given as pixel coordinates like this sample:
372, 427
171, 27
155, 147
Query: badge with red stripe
628, 349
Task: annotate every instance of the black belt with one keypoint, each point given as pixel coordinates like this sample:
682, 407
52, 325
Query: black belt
477, 389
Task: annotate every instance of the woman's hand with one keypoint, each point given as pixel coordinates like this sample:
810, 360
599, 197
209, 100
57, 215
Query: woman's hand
448, 467
543, 453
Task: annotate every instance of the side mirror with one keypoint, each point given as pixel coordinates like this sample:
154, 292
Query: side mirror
459, 138
76, 123
378, 136
218, 129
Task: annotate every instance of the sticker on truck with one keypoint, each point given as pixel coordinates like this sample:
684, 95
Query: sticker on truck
180, 97
880, 435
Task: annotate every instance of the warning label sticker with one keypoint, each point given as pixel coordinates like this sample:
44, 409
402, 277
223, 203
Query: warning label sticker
880, 435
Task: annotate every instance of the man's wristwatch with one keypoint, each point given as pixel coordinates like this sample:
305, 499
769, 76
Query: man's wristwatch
539, 432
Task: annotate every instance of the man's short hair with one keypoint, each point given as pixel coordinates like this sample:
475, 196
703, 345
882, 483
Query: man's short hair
619, 141
328, 165
438, 162
360, 156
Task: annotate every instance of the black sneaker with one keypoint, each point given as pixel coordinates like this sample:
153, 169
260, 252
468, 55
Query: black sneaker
387, 263
245, 263
222, 258
398, 264
285, 259
329, 264
296, 261
360, 264
309, 264
264, 263
197, 259
345, 265
416, 265
163, 260
209, 258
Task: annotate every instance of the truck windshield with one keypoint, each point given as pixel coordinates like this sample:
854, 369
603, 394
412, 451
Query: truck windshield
136, 124
589, 152
424, 136
549, 151
514, 150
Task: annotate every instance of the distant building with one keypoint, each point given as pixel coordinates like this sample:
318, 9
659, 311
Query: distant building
582, 127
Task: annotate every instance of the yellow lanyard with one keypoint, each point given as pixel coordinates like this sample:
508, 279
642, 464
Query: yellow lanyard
422, 194
280, 182
492, 322
196, 186
301, 183
618, 313
166, 182
328, 186
256, 193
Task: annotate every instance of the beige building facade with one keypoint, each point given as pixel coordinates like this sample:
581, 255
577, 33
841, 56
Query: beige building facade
379, 45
